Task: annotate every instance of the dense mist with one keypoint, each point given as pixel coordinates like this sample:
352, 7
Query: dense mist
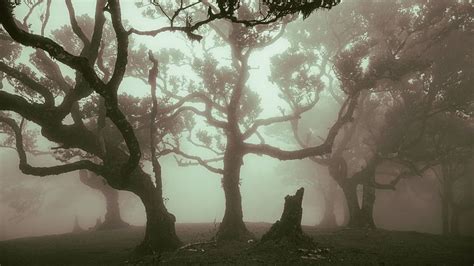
190, 121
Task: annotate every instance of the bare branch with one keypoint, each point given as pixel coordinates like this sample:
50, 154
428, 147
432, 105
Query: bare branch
273, 120
206, 114
226, 10
29, 82
207, 147
203, 162
75, 26
44, 171
46, 16
152, 74
345, 116
30, 11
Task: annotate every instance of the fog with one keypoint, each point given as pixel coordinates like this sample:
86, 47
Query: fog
373, 120
194, 195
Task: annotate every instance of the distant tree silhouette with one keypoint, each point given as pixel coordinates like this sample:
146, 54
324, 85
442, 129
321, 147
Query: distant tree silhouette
365, 58
112, 218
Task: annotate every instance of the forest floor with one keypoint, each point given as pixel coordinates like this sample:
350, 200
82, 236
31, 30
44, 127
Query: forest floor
341, 247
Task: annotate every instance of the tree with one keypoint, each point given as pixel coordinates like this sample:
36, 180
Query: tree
232, 108
112, 218
118, 160
431, 121
381, 57
455, 149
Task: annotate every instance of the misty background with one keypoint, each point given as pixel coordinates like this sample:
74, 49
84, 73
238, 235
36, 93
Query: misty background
192, 193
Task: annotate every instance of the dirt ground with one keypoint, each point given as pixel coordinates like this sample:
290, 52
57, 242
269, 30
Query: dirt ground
340, 247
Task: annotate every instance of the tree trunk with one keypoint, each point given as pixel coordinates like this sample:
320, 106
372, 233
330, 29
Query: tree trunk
454, 226
289, 225
112, 219
345, 213
232, 226
350, 193
329, 217
368, 201
160, 234
359, 217
445, 216
445, 200
77, 228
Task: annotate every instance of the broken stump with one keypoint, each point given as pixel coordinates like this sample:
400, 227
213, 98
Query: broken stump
289, 225
77, 228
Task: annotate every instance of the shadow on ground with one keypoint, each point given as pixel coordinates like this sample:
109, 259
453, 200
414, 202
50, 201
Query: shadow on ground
374, 247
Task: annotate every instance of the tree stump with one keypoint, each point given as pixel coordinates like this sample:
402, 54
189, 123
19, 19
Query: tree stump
289, 225
98, 223
77, 228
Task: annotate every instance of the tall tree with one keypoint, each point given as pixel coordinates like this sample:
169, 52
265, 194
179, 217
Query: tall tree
232, 108
369, 60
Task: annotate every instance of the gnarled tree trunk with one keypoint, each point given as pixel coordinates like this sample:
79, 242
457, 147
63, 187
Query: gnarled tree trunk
359, 217
350, 193
329, 217
232, 226
112, 218
160, 234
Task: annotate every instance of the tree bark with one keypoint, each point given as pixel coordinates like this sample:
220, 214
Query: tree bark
160, 234
368, 201
112, 218
359, 217
350, 193
329, 217
289, 225
232, 226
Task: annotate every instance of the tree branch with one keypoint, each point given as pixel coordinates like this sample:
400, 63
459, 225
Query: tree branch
273, 120
55, 50
75, 26
46, 16
206, 114
345, 116
30, 11
29, 82
153, 73
203, 162
44, 171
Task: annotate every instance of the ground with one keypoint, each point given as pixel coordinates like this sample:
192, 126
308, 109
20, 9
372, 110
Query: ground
341, 247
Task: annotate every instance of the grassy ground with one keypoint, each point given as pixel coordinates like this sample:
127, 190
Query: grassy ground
342, 247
